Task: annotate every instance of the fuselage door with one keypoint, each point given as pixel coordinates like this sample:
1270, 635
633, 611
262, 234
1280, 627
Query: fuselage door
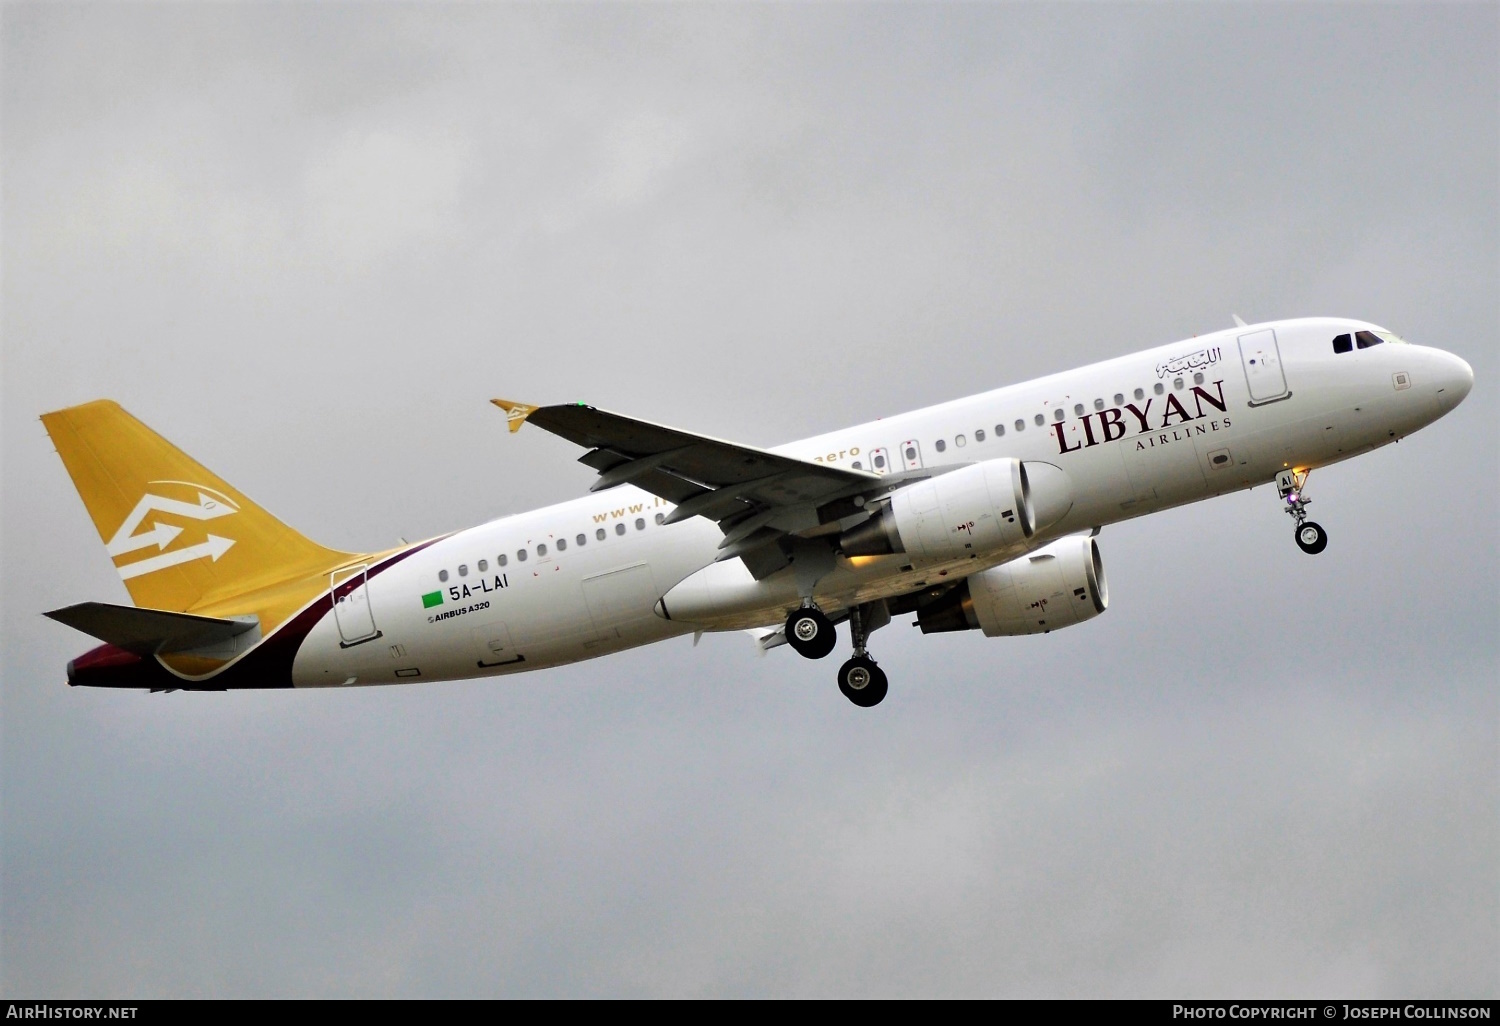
911, 455
1263, 372
350, 590
493, 645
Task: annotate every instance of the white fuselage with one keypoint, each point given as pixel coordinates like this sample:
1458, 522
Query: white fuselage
1132, 435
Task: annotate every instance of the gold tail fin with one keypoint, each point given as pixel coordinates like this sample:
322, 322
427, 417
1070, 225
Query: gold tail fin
180, 536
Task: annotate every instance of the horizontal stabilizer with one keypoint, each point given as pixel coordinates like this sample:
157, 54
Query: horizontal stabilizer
150, 631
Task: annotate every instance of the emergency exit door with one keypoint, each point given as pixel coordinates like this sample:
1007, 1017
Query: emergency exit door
911, 455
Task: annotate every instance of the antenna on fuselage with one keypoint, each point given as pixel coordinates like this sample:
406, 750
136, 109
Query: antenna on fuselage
1238, 321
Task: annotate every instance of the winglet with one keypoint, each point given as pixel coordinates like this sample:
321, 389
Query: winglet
515, 413
1237, 322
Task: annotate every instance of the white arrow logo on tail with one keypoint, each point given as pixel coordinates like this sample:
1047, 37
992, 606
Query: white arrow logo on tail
214, 548
161, 535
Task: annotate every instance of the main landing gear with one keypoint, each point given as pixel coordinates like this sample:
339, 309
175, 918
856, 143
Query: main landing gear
812, 634
862, 682
1310, 537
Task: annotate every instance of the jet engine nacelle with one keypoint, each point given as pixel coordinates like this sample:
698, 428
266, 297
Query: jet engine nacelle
1058, 585
978, 509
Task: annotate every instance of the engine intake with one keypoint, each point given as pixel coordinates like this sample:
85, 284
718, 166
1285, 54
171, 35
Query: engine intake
1056, 586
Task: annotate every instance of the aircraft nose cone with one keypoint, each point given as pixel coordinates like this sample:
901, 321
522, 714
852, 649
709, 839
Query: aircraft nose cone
1454, 381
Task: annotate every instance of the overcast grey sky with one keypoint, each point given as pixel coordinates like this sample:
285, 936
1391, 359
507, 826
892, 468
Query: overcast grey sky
307, 243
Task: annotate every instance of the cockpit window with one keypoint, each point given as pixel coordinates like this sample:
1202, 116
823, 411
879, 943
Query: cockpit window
1366, 339
1343, 343
1391, 336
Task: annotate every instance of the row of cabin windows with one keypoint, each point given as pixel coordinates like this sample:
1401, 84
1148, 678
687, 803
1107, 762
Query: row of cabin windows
941, 445
561, 544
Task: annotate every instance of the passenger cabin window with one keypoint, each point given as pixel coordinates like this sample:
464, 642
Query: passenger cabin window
1040, 420
484, 565
520, 555
1177, 384
640, 523
1158, 388
463, 571
1058, 414
979, 434
1198, 378
619, 529
501, 559
661, 518
911, 453
879, 462
443, 575
541, 549
1366, 339
1343, 343
1098, 404
999, 430
1120, 398
562, 545
599, 534
1021, 424
582, 539
940, 445
960, 441
1140, 393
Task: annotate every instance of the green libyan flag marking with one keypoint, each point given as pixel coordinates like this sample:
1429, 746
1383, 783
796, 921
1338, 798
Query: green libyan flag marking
432, 598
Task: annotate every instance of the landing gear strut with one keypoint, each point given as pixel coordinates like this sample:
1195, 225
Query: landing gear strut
1310, 537
861, 681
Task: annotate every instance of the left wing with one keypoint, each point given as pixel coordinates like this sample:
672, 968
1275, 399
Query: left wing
755, 496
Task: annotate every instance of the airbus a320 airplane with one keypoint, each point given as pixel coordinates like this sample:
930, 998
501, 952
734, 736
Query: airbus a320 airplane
979, 514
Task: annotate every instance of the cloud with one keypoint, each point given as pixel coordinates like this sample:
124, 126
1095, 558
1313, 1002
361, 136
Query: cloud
375, 191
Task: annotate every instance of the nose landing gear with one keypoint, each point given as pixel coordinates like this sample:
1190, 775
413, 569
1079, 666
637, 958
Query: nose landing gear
1292, 485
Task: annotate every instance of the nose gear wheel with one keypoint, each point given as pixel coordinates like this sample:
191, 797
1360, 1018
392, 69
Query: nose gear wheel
1311, 538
